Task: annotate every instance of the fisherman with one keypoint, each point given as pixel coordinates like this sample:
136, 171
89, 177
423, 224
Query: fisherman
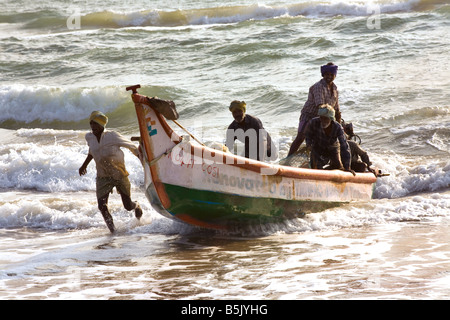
249, 130
360, 159
322, 92
104, 148
326, 140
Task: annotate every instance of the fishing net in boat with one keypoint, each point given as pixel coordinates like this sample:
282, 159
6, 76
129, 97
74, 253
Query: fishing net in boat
299, 159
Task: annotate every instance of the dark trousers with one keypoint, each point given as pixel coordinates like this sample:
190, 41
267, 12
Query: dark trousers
320, 158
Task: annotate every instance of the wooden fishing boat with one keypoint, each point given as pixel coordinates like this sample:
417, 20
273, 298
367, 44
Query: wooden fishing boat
214, 189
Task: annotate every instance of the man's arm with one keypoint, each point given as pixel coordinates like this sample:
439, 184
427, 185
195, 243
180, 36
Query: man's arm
230, 138
125, 143
82, 171
364, 157
363, 154
345, 151
309, 134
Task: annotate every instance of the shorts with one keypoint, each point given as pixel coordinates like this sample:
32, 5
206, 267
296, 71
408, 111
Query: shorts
304, 119
105, 185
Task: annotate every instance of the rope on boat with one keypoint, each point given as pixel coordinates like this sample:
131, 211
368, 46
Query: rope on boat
155, 160
185, 130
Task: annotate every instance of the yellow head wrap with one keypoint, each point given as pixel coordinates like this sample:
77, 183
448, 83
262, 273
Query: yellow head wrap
238, 105
99, 117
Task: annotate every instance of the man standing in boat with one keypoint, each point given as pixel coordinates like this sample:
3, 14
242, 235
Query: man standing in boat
326, 140
104, 148
249, 130
322, 92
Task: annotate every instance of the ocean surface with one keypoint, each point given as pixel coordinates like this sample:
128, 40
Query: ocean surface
60, 60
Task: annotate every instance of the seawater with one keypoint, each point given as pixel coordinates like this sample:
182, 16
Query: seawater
60, 60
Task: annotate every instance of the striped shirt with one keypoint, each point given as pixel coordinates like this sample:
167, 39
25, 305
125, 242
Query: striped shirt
320, 93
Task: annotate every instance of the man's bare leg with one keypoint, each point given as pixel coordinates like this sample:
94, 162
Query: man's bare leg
103, 207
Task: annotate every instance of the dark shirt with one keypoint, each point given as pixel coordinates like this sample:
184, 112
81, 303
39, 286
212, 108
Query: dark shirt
251, 132
323, 144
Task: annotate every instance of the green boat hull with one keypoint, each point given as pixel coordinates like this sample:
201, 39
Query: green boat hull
227, 211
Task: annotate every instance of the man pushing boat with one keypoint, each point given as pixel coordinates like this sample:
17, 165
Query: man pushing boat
249, 130
326, 140
104, 148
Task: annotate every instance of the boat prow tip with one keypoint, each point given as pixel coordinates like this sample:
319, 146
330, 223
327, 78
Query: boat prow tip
133, 88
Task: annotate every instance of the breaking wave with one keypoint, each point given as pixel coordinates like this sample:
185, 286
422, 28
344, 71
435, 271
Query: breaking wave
45, 104
215, 15
67, 107
235, 14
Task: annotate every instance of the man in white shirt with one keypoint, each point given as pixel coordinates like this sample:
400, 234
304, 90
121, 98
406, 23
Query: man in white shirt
104, 148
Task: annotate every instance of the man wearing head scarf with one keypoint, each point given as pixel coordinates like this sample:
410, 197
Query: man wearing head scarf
249, 130
104, 148
360, 159
326, 140
322, 92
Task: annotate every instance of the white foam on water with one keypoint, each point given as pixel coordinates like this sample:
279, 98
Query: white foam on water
47, 174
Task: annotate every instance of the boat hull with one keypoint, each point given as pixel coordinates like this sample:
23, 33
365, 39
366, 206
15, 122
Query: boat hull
218, 210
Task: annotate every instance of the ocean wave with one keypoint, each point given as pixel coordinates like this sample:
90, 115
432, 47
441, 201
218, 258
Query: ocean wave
236, 14
69, 107
377, 212
214, 15
418, 114
50, 160
52, 166
31, 210
26, 104
407, 179
63, 211
56, 197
